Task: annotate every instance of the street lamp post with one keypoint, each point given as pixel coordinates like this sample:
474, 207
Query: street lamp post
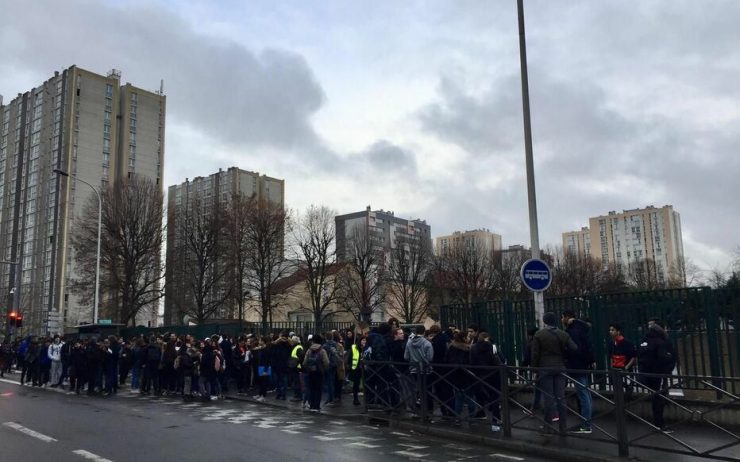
539, 297
100, 218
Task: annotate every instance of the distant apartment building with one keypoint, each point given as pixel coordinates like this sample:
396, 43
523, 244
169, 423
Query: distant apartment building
97, 130
577, 242
634, 235
488, 241
211, 191
515, 254
384, 230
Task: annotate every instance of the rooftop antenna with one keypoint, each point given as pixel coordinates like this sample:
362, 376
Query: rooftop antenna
161, 87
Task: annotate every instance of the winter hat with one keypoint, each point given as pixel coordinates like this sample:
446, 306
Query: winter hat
550, 318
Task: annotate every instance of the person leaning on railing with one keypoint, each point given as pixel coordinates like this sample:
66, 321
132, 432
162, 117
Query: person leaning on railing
622, 355
549, 348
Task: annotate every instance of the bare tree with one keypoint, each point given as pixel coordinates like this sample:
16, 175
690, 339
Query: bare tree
199, 281
468, 270
131, 244
256, 231
575, 274
314, 238
361, 284
408, 280
506, 280
684, 273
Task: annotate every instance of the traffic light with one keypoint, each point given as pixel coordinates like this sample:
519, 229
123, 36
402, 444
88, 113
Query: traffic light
12, 317
19, 320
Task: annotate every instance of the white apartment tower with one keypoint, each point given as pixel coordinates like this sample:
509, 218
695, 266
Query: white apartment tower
93, 128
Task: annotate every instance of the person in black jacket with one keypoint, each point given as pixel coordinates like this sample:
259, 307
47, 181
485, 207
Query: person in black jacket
280, 358
657, 358
441, 387
487, 390
581, 359
77, 368
458, 357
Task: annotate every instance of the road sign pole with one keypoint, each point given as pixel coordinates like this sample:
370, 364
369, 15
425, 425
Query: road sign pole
539, 298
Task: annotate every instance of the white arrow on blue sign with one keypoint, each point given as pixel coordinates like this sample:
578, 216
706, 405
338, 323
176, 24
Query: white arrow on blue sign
536, 275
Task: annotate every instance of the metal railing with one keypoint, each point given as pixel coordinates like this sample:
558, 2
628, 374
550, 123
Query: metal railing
701, 414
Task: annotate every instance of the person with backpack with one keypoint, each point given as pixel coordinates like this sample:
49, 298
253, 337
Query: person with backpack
487, 390
656, 358
315, 364
549, 350
330, 374
581, 359
419, 354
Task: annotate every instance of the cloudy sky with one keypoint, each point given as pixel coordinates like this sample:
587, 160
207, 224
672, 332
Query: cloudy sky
415, 106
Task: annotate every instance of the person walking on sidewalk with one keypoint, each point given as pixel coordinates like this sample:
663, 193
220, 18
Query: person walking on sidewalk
549, 349
582, 360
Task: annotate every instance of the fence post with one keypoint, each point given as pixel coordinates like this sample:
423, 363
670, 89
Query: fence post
620, 412
421, 384
504, 400
714, 337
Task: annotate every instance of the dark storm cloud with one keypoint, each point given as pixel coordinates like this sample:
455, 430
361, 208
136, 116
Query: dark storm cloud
238, 96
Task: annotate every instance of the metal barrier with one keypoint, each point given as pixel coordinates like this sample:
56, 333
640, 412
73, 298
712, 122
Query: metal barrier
503, 398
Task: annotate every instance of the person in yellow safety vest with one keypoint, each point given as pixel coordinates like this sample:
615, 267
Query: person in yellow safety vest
294, 373
355, 373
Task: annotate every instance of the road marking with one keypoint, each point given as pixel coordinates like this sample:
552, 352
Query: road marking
399, 434
292, 432
29, 432
411, 454
327, 438
90, 456
363, 445
504, 456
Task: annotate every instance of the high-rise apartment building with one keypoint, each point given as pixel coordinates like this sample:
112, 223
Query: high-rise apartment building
383, 228
632, 236
385, 231
208, 192
485, 239
577, 242
93, 128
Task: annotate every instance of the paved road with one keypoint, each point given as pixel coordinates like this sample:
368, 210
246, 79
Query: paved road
42, 425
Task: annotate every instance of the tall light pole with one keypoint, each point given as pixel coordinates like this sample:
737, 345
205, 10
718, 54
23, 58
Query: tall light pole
539, 297
100, 218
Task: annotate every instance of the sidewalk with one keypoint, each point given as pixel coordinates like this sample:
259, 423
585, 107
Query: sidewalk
526, 436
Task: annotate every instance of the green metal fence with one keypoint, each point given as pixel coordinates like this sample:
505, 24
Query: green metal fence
702, 323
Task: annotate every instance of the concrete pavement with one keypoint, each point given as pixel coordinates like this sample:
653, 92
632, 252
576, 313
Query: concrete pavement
45, 424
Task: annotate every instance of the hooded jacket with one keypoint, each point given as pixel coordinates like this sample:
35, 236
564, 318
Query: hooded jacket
55, 351
323, 359
583, 357
656, 354
459, 355
549, 347
419, 353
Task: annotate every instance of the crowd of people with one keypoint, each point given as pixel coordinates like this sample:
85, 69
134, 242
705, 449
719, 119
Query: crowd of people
388, 363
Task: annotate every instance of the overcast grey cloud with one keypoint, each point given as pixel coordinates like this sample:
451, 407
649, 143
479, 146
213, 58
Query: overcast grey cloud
416, 107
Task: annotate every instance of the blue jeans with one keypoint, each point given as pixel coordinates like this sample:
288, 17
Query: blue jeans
330, 377
281, 383
584, 398
135, 374
463, 397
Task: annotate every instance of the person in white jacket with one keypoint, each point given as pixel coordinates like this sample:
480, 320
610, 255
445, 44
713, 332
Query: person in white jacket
55, 354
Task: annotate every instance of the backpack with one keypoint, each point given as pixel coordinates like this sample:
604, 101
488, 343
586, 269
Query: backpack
379, 349
186, 361
218, 364
333, 354
153, 353
313, 360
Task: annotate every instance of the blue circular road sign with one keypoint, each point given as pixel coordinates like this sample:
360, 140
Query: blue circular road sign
536, 275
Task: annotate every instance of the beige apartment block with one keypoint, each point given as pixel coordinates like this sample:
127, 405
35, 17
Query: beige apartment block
633, 235
214, 190
85, 124
577, 242
490, 242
